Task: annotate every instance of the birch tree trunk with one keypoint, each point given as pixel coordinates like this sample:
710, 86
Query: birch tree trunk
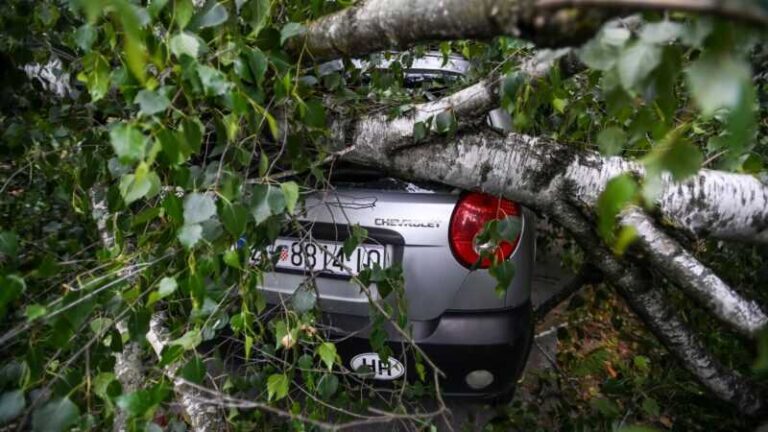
376, 25
522, 168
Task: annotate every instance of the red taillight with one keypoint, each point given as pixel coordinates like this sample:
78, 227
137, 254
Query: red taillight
469, 217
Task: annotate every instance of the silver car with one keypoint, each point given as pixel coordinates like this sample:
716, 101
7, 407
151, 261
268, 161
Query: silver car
478, 338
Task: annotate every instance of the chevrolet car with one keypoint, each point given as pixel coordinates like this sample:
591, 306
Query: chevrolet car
479, 339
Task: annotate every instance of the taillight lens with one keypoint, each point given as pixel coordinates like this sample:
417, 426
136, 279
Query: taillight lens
469, 217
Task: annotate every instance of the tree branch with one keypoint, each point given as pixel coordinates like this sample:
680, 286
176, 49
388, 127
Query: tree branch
128, 365
377, 25
698, 281
129, 369
203, 417
634, 285
383, 135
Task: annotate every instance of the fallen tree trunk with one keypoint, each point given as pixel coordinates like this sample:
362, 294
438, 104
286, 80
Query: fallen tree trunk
377, 25
711, 203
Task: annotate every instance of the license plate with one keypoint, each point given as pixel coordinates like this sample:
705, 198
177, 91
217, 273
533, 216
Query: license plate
326, 257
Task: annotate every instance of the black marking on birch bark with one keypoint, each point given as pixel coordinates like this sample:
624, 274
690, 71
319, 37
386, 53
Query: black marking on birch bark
554, 158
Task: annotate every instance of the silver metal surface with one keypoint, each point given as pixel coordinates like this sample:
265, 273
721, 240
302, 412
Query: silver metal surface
434, 280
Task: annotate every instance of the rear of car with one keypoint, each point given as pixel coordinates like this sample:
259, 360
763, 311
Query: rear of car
479, 339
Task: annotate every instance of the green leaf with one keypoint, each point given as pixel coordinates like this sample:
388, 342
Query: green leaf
661, 32
445, 122
11, 287
601, 52
267, 200
304, 298
9, 244
170, 354
189, 235
420, 131
676, 155
186, 44
12, 404
257, 63
232, 259
291, 195
193, 371
198, 208
134, 187
104, 385
290, 30
611, 141
618, 193
511, 85
156, 7
129, 143
504, 273
182, 12
636, 63
327, 353
625, 238
510, 88
152, 102
35, 311
314, 114
56, 415
100, 325
85, 36
189, 341
214, 81
166, 287
606, 407
718, 82
95, 75
277, 386
213, 16
192, 133
235, 217
327, 386
143, 403
356, 237
256, 13
651, 407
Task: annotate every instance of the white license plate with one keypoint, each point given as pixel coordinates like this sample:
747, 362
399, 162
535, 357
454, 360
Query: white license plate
326, 257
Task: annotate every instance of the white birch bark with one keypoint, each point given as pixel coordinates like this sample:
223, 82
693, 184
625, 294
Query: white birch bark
128, 363
522, 168
129, 368
203, 417
696, 279
377, 25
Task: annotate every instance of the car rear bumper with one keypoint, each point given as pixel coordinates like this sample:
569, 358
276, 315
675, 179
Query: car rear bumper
459, 343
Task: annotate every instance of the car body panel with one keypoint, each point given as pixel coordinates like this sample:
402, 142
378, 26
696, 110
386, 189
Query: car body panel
414, 227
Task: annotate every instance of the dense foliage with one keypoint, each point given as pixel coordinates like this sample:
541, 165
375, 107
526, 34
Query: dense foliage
197, 130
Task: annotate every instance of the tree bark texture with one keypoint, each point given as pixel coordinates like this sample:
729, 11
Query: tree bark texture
203, 417
128, 363
698, 281
129, 368
377, 25
658, 314
522, 168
